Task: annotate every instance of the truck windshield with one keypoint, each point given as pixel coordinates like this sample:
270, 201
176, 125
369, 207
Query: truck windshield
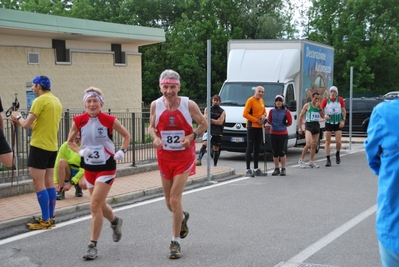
237, 94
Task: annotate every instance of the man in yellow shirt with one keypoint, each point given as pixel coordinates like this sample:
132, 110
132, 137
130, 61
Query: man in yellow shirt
44, 120
255, 113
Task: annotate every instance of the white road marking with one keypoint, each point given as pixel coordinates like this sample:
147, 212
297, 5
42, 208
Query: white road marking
321, 243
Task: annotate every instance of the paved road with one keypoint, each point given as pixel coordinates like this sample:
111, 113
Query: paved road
317, 216
237, 160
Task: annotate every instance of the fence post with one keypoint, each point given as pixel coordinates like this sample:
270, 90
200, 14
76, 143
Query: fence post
66, 124
133, 139
142, 128
15, 148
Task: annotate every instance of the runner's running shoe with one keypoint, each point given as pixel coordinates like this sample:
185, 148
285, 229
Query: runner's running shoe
302, 163
39, 225
117, 229
174, 250
184, 227
337, 158
91, 252
312, 165
52, 221
249, 173
282, 172
276, 171
61, 195
78, 191
258, 172
328, 163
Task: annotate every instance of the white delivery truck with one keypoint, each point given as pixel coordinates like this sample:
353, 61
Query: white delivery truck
294, 68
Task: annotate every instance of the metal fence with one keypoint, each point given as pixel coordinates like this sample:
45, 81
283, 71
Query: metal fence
140, 150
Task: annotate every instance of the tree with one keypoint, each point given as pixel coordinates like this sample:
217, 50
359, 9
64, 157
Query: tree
365, 36
53, 7
218, 21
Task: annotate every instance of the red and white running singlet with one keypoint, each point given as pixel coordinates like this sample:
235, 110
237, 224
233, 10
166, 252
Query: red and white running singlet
96, 134
171, 126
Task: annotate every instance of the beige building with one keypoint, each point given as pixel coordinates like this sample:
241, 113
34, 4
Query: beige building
75, 54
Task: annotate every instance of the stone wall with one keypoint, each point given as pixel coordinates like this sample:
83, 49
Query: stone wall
121, 84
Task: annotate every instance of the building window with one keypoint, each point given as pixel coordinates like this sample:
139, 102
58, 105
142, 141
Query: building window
119, 56
62, 54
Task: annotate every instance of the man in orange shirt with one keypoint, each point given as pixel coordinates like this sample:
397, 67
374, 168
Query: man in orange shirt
255, 113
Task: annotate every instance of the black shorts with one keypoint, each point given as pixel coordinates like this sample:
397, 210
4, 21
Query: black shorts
41, 159
216, 140
4, 147
332, 127
279, 144
312, 127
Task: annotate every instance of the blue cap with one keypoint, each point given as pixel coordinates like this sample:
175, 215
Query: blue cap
44, 81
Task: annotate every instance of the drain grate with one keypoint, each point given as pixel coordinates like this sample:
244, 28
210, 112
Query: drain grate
314, 265
293, 264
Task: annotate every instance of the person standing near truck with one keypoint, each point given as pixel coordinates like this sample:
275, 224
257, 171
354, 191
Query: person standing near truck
255, 114
218, 116
279, 118
312, 113
335, 114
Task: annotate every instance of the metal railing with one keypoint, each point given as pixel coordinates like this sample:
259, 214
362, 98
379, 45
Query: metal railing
140, 150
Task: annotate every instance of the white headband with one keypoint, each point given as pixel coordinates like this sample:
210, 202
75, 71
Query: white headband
279, 96
93, 94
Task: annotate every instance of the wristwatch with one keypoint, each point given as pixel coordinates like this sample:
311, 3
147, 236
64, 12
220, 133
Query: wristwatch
123, 150
18, 117
195, 135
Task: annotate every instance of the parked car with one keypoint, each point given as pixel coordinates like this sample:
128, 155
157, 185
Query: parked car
361, 111
391, 94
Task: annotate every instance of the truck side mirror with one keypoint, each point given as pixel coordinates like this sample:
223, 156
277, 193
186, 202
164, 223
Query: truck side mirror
292, 105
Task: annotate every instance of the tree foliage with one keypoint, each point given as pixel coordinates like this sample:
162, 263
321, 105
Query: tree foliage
365, 36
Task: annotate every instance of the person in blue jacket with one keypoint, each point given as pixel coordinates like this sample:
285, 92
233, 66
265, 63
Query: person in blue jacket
280, 119
382, 151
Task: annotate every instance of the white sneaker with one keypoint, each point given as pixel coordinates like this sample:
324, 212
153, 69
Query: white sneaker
312, 165
302, 163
